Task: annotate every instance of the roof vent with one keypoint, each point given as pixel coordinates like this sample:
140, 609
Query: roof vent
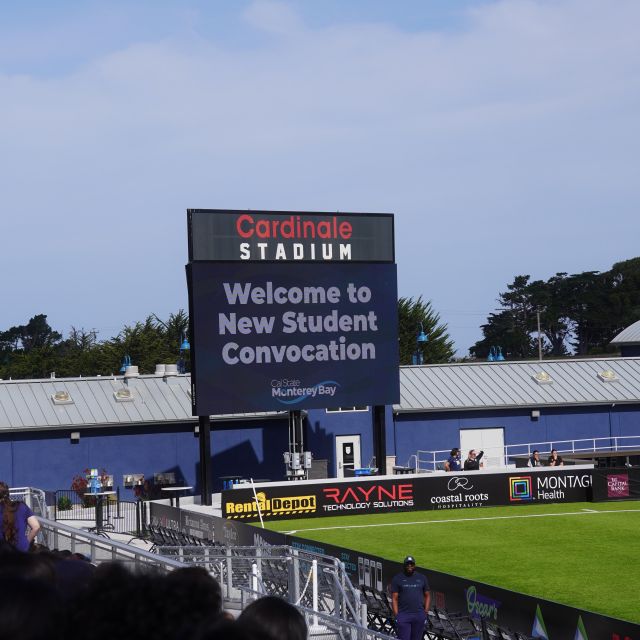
131, 371
542, 377
61, 397
160, 370
170, 369
608, 376
123, 395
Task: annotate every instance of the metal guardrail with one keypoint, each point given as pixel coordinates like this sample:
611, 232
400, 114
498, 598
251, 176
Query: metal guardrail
322, 625
282, 571
120, 516
305, 579
317, 585
429, 461
100, 549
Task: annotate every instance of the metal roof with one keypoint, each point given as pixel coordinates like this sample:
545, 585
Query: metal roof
93, 402
630, 335
489, 385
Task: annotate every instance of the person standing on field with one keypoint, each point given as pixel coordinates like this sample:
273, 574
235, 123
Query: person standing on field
410, 601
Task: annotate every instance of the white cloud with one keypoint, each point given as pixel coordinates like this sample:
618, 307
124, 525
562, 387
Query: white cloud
274, 17
506, 147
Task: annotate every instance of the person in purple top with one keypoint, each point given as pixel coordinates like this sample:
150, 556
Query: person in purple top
453, 462
410, 601
18, 525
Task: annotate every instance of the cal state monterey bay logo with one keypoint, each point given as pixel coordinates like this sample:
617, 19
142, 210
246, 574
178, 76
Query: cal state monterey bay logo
291, 391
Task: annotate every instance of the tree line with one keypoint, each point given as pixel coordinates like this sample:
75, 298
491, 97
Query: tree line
578, 314
36, 350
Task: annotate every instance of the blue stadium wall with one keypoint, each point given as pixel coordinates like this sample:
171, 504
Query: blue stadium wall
48, 460
322, 429
254, 448
437, 431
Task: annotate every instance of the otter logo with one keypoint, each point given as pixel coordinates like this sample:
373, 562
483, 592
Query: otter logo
456, 483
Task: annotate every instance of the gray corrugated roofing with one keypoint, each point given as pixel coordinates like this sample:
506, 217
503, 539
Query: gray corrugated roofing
630, 335
485, 385
28, 404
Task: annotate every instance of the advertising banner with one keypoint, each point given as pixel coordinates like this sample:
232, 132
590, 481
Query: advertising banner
616, 484
408, 493
288, 236
533, 617
270, 337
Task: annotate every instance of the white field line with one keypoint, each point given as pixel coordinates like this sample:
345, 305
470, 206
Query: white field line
584, 512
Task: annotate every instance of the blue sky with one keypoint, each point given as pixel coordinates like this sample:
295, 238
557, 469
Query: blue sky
504, 136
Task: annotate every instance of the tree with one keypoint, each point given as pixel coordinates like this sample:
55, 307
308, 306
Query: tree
35, 350
411, 315
623, 283
37, 334
150, 342
28, 351
550, 302
583, 311
504, 330
585, 295
510, 328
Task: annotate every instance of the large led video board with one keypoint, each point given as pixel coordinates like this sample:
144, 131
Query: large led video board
286, 334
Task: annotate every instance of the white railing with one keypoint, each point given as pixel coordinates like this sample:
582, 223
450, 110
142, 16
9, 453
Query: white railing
34, 498
501, 457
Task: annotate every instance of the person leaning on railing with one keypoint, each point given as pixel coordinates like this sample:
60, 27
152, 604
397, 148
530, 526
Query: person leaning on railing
18, 524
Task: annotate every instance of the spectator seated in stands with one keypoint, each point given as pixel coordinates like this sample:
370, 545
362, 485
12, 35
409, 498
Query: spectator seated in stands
555, 460
534, 460
273, 618
122, 604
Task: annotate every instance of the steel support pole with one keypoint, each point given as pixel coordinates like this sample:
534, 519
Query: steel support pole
380, 439
204, 438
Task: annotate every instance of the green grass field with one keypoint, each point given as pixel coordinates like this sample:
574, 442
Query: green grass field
582, 554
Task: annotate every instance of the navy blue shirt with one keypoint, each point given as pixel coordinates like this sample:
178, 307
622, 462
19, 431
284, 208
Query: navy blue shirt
410, 590
455, 463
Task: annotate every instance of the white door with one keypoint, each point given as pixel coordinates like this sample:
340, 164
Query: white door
491, 441
347, 454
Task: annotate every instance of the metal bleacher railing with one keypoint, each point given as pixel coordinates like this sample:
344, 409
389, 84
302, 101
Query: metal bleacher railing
243, 573
501, 457
317, 584
304, 578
